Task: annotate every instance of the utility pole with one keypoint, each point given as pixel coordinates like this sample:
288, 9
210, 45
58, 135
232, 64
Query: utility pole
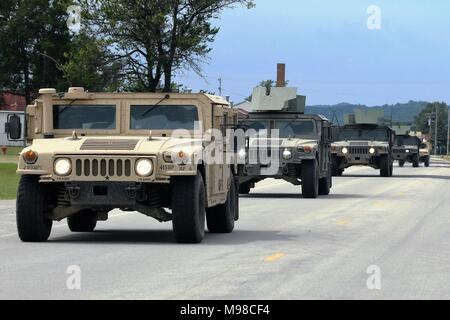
436, 130
220, 86
448, 130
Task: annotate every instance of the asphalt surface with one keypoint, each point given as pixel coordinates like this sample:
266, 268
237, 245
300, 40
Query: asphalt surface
284, 247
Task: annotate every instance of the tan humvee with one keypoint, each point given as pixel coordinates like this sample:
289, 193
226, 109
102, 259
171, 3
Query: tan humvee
94, 152
424, 153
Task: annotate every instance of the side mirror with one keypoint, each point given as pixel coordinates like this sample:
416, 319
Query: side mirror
13, 127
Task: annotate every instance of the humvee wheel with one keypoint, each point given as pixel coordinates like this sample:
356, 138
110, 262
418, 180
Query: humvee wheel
83, 221
244, 188
385, 166
427, 161
188, 208
415, 160
220, 219
32, 222
335, 166
310, 179
325, 184
401, 163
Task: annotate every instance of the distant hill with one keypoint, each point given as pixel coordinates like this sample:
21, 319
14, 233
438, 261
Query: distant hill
401, 112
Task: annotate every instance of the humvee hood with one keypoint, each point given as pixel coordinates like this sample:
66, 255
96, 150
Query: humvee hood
113, 145
284, 143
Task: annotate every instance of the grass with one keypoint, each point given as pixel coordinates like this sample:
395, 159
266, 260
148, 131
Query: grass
12, 155
9, 181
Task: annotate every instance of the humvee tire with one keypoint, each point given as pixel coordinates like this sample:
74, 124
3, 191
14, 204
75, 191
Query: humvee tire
335, 166
188, 208
415, 160
325, 186
401, 163
32, 223
427, 161
244, 188
83, 221
220, 219
310, 179
385, 166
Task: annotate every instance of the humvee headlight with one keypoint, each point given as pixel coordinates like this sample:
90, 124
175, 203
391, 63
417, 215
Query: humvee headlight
344, 150
30, 157
407, 151
372, 150
63, 167
144, 167
287, 154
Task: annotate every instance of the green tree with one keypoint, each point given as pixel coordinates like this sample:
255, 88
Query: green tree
422, 121
156, 38
90, 65
33, 37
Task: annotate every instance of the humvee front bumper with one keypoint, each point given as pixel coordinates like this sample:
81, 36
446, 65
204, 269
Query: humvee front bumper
110, 168
360, 155
401, 154
101, 194
264, 164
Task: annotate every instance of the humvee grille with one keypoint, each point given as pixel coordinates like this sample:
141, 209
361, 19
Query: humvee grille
358, 150
105, 144
103, 167
399, 150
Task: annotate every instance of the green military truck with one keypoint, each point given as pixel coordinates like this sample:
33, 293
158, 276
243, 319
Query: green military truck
90, 153
285, 143
407, 149
303, 148
363, 145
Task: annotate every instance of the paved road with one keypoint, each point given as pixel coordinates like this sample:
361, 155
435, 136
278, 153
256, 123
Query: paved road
284, 247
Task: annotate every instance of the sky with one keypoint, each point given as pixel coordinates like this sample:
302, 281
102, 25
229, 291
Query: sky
330, 53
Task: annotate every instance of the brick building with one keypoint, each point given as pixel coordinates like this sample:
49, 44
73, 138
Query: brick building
12, 101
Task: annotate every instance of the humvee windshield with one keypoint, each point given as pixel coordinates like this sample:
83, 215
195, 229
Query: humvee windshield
378, 134
255, 127
84, 117
163, 117
406, 141
295, 129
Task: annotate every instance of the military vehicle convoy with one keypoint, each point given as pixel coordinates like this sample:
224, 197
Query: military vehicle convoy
363, 145
407, 149
94, 152
285, 143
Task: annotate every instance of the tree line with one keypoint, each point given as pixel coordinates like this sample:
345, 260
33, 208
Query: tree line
123, 45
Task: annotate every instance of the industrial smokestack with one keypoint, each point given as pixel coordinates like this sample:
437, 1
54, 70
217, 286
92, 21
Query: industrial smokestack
281, 75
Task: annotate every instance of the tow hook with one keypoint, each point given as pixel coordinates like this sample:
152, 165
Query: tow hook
73, 191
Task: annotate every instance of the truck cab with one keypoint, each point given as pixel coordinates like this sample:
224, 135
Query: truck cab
363, 145
90, 153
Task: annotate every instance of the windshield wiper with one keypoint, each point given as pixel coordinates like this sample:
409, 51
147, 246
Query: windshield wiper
66, 106
167, 97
